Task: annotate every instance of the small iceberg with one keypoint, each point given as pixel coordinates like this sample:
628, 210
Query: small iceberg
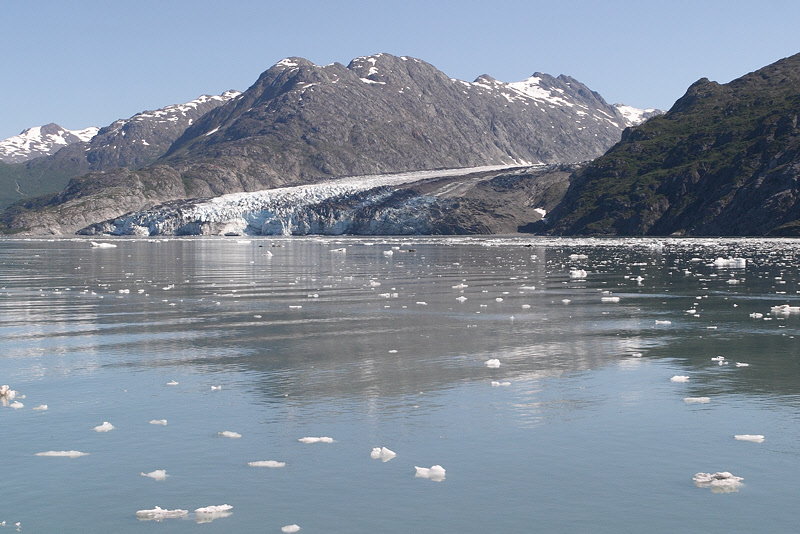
609, 299
159, 514
105, 427
162, 422
63, 454
493, 363
17, 405
462, 298
730, 263
95, 244
290, 528
721, 482
663, 322
738, 364
697, 400
229, 434
755, 438
784, 309
7, 392
382, 453
578, 274
40, 408
172, 383
267, 463
495, 384
158, 474
435, 473
679, 378
322, 439
209, 513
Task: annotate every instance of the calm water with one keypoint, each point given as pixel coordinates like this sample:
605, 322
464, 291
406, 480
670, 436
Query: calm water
373, 350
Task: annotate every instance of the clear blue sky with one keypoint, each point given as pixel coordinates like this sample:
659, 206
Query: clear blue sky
86, 63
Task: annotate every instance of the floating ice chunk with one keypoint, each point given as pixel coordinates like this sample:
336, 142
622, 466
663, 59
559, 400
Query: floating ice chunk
495, 383
267, 463
784, 309
316, 440
209, 513
7, 392
339, 250
718, 359
295, 307
382, 453
738, 364
374, 283
43, 407
691, 311
95, 244
756, 315
290, 528
578, 274
388, 253
216, 388
158, 474
697, 400
462, 298
460, 286
565, 301
574, 257
721, 482
159, 514
730, 263
229, 434
663, 322
679, 378
63, 454
499, 299
162, 422
17, 405
526, 306
732, 281
172, 383
435, 472
105, 427
609, 299
422, 303
755, 438
493, 363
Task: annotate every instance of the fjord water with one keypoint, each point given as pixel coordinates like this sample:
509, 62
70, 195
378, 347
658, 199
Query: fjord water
283, 338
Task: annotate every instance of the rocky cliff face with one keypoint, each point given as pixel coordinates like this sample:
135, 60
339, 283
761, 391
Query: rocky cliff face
301, 123
725, 160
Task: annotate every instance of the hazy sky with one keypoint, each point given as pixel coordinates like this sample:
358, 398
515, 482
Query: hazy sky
86, 63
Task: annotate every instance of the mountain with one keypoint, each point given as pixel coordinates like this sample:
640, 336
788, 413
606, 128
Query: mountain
302, 123
41, 141
47, 157
725, 160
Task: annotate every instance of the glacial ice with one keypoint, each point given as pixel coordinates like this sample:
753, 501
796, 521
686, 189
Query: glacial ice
290, 528
229, 434
755, 438
435, 473
159, 514
267, 463
720, 482
730, 263
323, 439
697, 400
63, 454
382, 453
162, 422
158, 474
105, 427
492, 363
679, 378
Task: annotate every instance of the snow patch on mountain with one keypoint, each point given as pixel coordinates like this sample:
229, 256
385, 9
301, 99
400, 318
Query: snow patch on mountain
635, 116
41, 141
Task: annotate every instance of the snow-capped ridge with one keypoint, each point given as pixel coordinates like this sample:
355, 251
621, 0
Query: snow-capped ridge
42, 141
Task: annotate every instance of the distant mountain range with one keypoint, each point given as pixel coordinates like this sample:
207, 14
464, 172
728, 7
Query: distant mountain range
302, 123
42, 141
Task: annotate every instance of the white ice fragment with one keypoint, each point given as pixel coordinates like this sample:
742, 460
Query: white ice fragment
663, 322
17, 405
158, 474
105, 427
462, 298
316, 440
290, 528
495, 383
720, 482
691, 311
460, 286
215, 509
388, 252
718, 359
609, 299
499, 299
730, 263
526, 306
565, 301
339, 250
784, 309
229, 434
755, 438
295, 307
575, 257
7, 392
158, 514
267, 463
756, 315
43, 407
216, 388
172, 383
679, 378
162, 422
422, 303
738, 364
493, 363
382, 453
63, 454
95, 244
578, 274
435, 473
697, 400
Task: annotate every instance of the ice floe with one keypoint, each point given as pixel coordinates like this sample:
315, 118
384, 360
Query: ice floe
207, 514
162, 422
663, 322
495, 384
720, 482
697, 400
159, 514
382, 453
493, 363
679, 378
435, 473
609, 299
40, 408
784, 309
267, 463
322, 439
172, 383
578, 274
229, 434
17, 405
730, 263
158, 474
95, 244
63, 454
755, 438
105, 427
290, 528
6, 392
